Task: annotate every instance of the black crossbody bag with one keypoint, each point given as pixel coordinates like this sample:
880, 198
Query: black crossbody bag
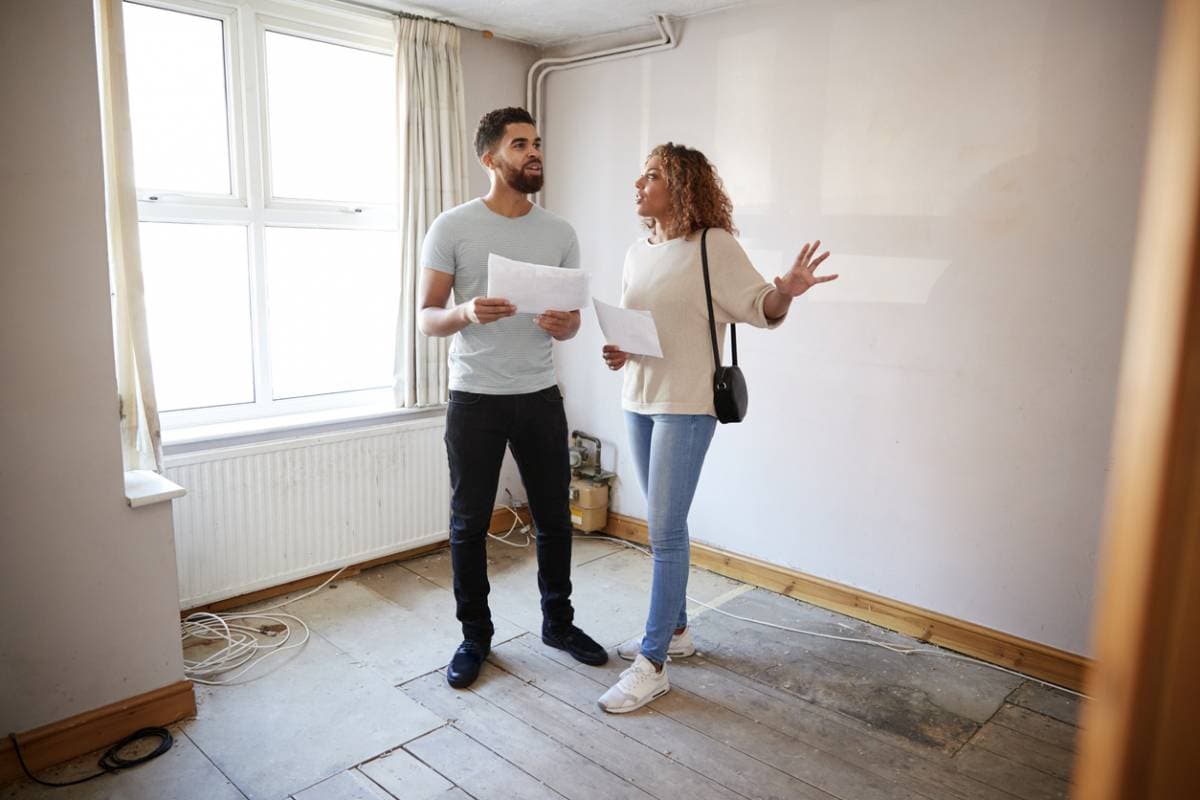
730, 397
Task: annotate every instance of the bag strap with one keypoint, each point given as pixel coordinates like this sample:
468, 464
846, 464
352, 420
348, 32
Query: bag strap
733, 342
712, 323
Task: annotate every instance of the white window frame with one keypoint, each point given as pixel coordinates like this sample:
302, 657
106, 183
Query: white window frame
250, 204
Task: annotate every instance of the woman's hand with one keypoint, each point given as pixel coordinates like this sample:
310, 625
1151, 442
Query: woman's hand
614, 357
800, 278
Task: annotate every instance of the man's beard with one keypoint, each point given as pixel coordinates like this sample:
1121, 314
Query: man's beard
517, 179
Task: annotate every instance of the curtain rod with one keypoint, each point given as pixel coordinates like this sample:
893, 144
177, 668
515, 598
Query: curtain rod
408, 15
464, 25
389, 12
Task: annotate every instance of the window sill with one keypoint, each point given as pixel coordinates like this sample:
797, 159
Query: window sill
145, 488
251, 431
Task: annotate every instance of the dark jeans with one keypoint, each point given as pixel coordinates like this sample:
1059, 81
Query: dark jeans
534, 427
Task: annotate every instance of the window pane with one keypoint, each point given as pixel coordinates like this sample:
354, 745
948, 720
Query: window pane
333, 297
198, 307
332, 121
176, 66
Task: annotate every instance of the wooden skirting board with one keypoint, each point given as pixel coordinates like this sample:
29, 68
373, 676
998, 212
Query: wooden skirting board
1030, 658
96, 729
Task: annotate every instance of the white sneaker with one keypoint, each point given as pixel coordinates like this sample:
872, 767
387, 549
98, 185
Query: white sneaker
639, 684
681, 646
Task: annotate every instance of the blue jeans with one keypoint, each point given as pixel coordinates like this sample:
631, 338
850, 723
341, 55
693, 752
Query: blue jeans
669, 451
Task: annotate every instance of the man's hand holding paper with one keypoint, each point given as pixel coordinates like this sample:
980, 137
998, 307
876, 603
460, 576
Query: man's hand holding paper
483, 310
535, 288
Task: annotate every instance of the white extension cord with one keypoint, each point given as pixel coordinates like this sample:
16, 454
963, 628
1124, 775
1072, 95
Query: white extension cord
245, 646
251, 638
525, 527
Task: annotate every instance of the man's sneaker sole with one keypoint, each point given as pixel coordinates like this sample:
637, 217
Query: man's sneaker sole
594, 661
642, 704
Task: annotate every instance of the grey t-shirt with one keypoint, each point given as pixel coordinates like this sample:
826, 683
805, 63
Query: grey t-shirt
512, 355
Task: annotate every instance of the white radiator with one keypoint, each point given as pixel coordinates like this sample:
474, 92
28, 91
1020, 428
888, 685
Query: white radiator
260, 515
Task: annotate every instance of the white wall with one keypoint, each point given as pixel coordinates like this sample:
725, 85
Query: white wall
934, 427
88, 585
494, 73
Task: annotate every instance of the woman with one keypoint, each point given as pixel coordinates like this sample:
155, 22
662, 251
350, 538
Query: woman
668, 401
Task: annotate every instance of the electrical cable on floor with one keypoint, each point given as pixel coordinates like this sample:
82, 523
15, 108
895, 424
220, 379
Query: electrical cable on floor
525, 527
516, 521
242, 633
243, 650
111, 762
902, 650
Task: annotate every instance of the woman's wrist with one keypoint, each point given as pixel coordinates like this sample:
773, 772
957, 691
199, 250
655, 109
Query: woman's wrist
776, 304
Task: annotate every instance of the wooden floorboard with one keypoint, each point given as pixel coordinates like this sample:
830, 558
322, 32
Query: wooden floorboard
716, 760
476, 769
1018, 779
654, 772
565, 771
809, 744
1018, 747
758, 714
1054, 703
933, 701
1037, 726
831, 773
878, 751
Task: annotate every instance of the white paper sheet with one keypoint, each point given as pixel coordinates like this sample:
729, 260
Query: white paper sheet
534, 288
630, 329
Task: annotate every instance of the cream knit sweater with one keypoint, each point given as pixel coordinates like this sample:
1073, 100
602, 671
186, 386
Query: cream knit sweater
667, 280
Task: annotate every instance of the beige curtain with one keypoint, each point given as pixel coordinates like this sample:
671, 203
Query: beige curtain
141, 438
433, 177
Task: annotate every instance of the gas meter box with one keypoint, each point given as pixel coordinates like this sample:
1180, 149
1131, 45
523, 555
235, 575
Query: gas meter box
589, 504
589, 483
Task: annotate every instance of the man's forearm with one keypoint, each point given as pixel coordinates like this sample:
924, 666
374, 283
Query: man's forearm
442, 321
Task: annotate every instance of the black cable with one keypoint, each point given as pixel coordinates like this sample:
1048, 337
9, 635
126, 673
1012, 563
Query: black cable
111, 761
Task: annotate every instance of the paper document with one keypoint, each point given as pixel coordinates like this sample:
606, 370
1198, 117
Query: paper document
630, 329
534, 288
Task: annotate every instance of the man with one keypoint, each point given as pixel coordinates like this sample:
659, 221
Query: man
503, 390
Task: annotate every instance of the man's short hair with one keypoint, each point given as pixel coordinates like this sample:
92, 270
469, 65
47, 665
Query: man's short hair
492, 125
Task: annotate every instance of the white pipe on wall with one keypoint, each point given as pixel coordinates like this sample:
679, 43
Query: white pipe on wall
535, 79
666, 38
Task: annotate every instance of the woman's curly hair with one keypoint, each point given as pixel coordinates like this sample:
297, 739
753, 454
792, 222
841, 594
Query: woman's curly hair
698, 198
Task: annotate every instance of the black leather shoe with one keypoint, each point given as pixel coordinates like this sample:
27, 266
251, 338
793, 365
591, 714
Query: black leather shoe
581, 646
464, 666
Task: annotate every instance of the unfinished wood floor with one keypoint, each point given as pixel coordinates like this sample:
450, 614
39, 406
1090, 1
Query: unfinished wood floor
363, 712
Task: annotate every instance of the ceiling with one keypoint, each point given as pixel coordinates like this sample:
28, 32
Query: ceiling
550, 23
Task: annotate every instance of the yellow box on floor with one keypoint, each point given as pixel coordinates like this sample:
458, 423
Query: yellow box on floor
589, 505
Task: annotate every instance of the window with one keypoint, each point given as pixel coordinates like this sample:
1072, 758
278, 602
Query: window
265, 161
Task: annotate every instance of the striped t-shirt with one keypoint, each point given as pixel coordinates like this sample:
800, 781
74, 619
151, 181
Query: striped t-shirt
512, 355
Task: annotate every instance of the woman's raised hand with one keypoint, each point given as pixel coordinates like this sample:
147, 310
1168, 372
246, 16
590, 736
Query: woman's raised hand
800, 278
614, 357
